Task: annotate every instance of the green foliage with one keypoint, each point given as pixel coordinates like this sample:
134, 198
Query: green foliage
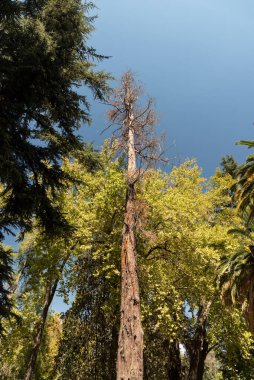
41, 107
183, 223
5, 278
243, 187
229, 165
44, 59
39, 263
91, 325
17, 344
188, 222
182, 233
89, 254
236, 269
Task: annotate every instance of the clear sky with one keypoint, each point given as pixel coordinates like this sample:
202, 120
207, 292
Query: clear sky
196, 59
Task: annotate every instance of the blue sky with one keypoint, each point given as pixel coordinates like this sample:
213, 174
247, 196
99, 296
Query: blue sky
196, 59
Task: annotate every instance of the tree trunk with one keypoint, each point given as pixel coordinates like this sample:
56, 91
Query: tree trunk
249, 311
50, 292
130, 341
199, 346
202, 358
174, 366
113, 351
197, 360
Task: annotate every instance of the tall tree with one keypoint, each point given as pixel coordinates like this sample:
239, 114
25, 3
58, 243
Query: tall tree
135, 138
44, 58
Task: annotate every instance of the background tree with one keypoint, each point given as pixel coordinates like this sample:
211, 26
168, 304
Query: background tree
90, 330
188, 221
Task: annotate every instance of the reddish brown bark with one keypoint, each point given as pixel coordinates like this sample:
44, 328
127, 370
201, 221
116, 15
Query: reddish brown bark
249, 310
130, 342
136, 138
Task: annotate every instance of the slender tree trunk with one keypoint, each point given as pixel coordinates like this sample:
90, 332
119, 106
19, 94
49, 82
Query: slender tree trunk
199, 348
202, 358
13, 288
249, 311
130, 341
113, 351
174, 366
50, 292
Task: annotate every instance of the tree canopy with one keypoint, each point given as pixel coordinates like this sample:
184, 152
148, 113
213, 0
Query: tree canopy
44, 59
181, 235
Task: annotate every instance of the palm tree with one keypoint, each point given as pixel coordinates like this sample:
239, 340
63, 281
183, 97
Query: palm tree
244, 186
236, 278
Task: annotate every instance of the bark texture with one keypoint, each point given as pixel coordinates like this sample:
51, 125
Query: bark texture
249, 311
137, 141
130, 341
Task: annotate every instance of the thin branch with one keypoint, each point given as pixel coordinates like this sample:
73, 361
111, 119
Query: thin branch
212, 347
159, 247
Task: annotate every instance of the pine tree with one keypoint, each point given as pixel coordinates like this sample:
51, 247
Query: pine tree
44, 58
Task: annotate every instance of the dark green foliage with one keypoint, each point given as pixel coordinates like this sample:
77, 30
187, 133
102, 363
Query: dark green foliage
229, 165
238, 368
89, 344
89, 158
244, 187
159, 356
9, 9
43, 59
5, 277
